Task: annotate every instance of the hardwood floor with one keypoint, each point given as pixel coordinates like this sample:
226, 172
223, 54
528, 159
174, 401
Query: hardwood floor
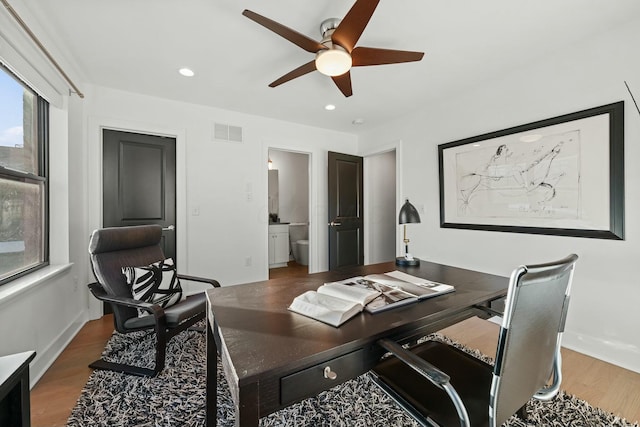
56, 393
609, 387
293, 269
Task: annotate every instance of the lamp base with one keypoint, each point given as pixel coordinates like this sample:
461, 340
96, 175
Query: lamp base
402, 261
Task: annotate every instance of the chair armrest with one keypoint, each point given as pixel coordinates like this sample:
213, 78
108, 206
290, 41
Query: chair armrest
430, 372
488, 310
212, 282
98, 291
418, 364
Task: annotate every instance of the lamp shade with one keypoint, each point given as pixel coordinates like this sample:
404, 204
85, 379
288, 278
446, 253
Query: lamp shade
408, 214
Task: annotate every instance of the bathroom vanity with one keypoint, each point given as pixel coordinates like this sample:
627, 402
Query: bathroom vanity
278, 245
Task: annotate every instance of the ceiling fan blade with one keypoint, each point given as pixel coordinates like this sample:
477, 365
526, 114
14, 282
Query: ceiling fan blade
300, 71
353, 24
293, 36
343, 82
362, 56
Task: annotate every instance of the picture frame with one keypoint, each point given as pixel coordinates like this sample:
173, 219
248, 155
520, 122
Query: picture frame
561, 176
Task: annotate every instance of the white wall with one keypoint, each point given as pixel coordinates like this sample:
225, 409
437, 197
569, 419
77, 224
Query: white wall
42, 311
226, 182
380, 201
603, 317
293, 172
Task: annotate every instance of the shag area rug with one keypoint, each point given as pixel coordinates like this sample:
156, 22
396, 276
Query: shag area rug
176, 397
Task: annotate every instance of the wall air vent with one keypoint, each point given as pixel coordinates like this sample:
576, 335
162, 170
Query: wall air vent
224, 132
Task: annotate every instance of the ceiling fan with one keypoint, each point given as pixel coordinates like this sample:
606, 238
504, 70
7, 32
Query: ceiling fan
336, 53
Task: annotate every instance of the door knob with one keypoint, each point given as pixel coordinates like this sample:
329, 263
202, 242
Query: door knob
329, 374
335, 223
169, 228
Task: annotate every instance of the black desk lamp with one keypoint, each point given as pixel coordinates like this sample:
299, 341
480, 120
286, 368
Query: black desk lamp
408, 215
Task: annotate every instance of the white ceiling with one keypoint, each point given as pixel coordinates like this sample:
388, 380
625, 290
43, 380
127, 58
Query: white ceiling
139, 45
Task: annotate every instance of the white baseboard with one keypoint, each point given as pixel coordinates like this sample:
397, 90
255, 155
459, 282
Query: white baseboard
45, 358
617, 353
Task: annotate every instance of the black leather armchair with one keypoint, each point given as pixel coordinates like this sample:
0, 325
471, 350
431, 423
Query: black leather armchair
440, 385
111, 249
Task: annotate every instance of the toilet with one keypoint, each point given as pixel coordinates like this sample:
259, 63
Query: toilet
303, 252
299, 242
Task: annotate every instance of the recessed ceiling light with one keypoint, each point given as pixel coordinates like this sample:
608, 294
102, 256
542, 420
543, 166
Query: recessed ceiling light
531, 137
186, 72
329, 107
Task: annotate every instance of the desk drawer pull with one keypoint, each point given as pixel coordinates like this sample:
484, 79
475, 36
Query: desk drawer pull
329, 374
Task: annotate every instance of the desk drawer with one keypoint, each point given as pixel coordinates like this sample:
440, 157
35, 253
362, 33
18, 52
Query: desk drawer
311, 381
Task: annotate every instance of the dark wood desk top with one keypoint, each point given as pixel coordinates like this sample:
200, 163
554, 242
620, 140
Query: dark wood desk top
261, 338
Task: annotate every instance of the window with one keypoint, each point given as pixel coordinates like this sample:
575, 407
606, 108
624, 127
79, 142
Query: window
24, 234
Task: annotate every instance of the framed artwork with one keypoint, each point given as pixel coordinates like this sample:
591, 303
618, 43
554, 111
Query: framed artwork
561, 176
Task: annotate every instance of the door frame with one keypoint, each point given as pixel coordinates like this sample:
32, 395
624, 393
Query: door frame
95, 126
313, 202
392, 146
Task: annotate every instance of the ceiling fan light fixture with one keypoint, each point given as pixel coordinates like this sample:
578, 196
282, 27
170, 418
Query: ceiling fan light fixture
333, 62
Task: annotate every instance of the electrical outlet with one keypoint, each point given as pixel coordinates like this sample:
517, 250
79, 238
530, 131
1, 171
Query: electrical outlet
247, 261
195, 211
249, 197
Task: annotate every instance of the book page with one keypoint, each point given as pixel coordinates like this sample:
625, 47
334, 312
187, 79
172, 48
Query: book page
438, 287
355, 289
418, 287
390, 298
324, 308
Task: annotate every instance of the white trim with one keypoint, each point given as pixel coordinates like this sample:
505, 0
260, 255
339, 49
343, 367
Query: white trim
30, 281
314, 261
615, 352
46, 357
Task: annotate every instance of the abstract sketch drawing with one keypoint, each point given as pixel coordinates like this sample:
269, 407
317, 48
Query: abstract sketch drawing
516, 179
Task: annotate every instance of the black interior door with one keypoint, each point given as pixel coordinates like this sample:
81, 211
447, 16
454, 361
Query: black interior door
346, 244
139, 183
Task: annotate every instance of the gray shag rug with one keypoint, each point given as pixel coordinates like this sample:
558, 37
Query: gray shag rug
176, 397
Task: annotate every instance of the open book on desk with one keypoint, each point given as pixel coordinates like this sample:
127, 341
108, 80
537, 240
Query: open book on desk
334, 303
398, 288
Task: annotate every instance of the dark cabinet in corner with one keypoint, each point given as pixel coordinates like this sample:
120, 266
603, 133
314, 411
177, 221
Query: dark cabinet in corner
14, 389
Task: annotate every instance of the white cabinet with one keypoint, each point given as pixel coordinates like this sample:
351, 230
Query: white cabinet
278, 245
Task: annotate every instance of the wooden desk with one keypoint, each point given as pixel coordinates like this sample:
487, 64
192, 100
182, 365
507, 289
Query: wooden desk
273, 358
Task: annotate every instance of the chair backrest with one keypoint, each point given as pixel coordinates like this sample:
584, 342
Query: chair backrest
112, 248
528, 352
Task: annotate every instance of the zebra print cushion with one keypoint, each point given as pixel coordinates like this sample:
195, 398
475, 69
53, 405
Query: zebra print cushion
156, 283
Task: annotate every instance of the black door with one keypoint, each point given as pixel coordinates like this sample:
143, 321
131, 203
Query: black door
139, 183
346, 244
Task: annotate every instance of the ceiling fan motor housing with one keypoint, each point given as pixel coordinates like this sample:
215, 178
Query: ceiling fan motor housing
328, 26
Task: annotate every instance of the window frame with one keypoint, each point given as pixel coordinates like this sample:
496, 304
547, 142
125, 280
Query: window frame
42, 136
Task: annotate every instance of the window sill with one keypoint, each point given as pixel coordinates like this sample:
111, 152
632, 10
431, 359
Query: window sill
23, 284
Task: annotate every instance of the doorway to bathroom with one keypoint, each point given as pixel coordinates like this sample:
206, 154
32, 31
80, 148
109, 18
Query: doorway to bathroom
288, 206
